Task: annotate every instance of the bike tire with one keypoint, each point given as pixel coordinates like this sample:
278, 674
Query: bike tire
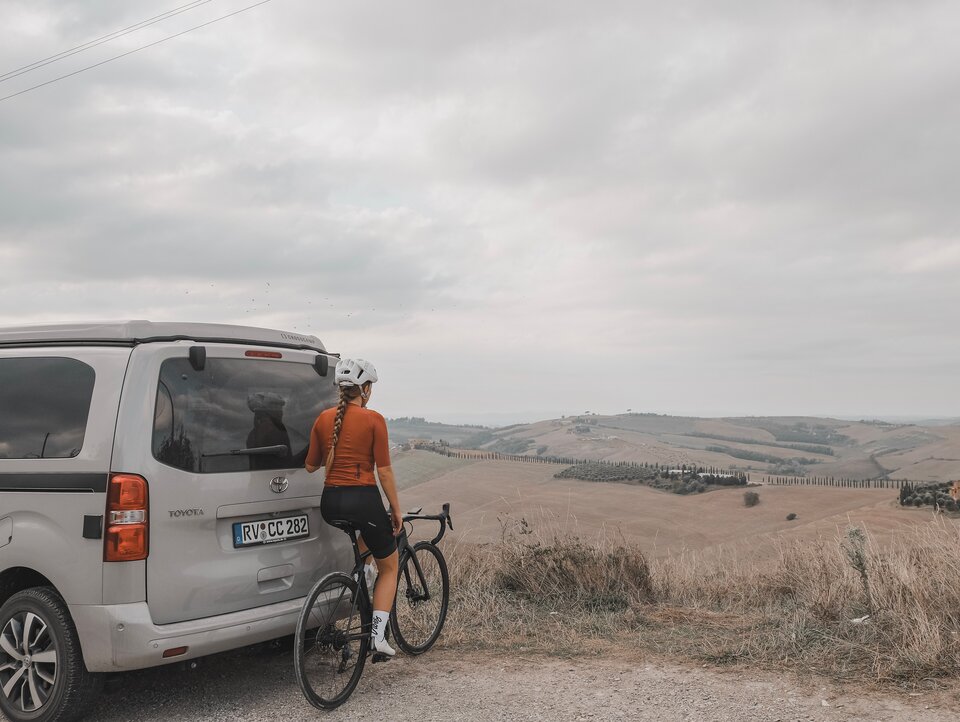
332, 641
416, 622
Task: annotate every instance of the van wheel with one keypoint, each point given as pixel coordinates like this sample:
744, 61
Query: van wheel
42, 674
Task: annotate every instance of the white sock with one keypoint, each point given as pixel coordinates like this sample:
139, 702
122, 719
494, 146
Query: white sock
379, 628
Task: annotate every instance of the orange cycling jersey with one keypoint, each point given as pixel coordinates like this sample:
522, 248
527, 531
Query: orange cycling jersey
362, 444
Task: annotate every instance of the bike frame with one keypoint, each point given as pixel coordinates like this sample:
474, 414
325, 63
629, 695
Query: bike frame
403, 547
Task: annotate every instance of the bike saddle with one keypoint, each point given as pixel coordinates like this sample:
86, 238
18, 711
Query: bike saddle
342, 524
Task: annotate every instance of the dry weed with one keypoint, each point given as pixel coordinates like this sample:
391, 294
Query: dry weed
863, 611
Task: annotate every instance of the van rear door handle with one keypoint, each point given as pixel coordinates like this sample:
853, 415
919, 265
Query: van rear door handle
271, 573
275, 579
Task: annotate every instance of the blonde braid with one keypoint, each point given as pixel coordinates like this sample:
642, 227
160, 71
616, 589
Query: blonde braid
345, 397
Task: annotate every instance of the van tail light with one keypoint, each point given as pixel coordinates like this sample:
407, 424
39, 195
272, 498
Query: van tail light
128, 519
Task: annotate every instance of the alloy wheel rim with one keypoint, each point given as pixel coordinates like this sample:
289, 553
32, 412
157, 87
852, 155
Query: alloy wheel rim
28, 661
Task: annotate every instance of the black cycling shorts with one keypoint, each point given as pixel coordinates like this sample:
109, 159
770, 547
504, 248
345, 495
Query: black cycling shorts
362, 507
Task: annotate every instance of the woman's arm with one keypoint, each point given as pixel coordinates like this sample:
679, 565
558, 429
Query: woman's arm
389, 484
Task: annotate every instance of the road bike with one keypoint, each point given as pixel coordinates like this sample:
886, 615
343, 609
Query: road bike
333, 632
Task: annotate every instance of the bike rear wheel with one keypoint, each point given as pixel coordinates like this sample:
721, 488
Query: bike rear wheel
332, 640
423, 595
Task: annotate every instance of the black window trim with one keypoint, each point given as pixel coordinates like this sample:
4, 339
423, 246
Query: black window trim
70, 482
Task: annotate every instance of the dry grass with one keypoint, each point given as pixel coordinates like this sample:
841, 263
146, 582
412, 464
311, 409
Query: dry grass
663, 524
554, 593
802, 609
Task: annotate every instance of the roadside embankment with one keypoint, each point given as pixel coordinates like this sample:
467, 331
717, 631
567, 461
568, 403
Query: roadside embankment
847, 608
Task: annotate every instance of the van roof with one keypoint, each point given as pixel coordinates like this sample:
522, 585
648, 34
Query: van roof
132, 333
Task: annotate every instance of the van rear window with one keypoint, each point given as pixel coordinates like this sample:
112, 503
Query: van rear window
204, 420
44, 404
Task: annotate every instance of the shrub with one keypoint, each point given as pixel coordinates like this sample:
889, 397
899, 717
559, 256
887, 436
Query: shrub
724, 479
791, 516
571, 572
751, 498
598, 471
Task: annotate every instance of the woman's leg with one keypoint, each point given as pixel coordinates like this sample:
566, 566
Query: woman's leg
383, 593
386, 587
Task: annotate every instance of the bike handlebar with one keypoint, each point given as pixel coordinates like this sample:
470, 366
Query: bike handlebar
443, 517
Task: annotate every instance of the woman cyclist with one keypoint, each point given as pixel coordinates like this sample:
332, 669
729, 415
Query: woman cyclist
350, 440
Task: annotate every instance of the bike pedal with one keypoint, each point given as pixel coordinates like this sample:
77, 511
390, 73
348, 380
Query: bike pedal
380, 657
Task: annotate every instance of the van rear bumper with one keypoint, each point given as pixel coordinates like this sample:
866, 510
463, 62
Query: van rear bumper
119, 637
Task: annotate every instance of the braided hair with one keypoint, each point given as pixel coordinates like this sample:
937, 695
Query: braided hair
347, 393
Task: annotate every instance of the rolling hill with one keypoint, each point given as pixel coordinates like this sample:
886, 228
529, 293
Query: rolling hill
491, 499
763, 445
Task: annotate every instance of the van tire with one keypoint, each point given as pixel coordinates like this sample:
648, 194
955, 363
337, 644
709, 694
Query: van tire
74, 688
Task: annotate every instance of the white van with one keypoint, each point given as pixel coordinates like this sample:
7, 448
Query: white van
153, 502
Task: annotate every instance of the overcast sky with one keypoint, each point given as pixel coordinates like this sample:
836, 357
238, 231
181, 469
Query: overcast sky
515, 209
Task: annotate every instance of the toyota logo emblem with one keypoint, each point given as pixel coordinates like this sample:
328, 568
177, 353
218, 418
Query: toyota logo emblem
278, 484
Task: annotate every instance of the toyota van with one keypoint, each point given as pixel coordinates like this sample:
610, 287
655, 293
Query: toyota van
153, 502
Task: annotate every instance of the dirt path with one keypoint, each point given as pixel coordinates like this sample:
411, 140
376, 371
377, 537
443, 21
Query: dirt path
258, 684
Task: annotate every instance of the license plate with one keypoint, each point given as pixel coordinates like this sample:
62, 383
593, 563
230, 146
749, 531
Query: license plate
269, 531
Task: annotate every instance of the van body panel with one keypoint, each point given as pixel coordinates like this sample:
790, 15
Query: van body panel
124, 582
124, 636
51, 543
191, 539
231, 511
49, 497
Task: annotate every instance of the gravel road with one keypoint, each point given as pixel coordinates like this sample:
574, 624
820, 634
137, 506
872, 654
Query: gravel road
258, 684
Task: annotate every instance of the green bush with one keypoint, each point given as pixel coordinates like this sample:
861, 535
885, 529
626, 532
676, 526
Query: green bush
751, 498
597, 471
791, 516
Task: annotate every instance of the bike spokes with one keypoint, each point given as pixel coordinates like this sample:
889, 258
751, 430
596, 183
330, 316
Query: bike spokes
422, 596
332, 641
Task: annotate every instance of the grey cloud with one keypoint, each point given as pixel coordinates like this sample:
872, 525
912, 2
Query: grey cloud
645, 182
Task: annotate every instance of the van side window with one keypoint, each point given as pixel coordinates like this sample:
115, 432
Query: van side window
235, 404
44, 404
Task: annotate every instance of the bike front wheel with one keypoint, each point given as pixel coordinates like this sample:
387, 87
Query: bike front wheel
332, 640
423, 594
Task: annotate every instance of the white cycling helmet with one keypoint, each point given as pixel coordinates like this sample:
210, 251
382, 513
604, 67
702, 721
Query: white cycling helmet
355, 372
